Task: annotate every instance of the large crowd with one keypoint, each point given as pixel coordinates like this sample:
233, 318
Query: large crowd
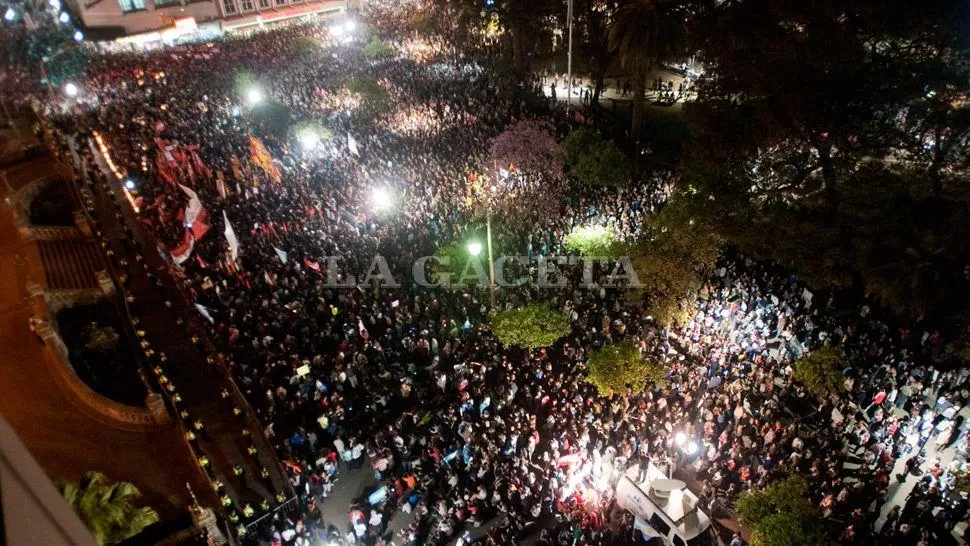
460, 431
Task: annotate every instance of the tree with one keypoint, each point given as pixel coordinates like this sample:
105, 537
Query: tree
54, 51
306, 45
377, 49
620, 365
673, 259
781, 514
831, 140
593, 19
106, 508
593, 241
820, 371
531, 326
644, 34
374, 97
101, 338
273, 115
593, 160
528, 147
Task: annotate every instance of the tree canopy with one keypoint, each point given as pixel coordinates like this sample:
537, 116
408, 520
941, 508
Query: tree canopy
832, 140
620, 365
593, 241
531, 326
820, 371
107, 508
594, 160
528, 147
781, 514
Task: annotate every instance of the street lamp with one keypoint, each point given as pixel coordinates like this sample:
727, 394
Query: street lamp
350, 26
254, 96
309, 139
680, 439
70, 90
474, 248
130, 184
381, 199
64, 17
9, 15
78, 36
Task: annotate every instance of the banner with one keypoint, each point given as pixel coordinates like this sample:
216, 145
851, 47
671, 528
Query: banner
194, 208
283, 255
645, 529
182, 252
260, 157
205, 312
221, 185
201, 225
167, 152
231, 238
352, 144
312, 265
164, 171
236, 168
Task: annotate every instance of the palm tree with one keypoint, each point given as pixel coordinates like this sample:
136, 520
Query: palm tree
644, 34
106, 507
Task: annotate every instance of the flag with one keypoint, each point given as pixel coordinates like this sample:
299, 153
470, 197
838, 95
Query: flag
283, 256
164, 171
221, 185
194, 208
352, 144
201, 224
231, 238
269, 279
182, 252
236, 168
260, 157
645, 529
167, 151
503, 172
205, 312
312, 265
199, 166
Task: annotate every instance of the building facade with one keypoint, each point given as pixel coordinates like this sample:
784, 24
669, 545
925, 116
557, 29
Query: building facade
149, 21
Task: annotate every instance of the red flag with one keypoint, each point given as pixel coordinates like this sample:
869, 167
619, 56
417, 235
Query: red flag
312, 265
201, 224
184, 250
164, 171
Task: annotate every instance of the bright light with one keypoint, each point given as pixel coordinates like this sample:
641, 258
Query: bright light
381, 199
308, 138
337, 30
350, 26
78, 36
9, 14
254, 96
70, 90
130, 184
56, 4
680, 439
691, 448
64, 17
474, 248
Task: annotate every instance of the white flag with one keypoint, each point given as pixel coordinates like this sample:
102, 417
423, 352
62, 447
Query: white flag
645, 529
205, 312
352, 144
283, 255
194, 207
181, 254
503, 172
231, 238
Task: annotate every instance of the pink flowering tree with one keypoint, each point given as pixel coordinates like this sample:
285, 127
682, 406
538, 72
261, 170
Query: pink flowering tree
530, 148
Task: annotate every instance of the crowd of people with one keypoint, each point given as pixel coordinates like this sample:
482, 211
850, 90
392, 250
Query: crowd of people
460, 431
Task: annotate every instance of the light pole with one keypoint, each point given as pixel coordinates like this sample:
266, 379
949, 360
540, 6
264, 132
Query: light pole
491, 261
569, 57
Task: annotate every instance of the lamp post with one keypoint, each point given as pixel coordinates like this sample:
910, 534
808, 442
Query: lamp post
569, 56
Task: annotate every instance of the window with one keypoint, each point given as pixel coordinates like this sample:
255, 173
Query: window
131, 5
280, 2
229, 6
659, 524
247, 5
163, 3
263, 4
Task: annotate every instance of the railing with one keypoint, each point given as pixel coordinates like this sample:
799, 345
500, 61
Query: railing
290, 506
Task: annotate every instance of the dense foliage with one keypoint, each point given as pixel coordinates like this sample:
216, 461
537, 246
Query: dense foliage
107, 508
781, 514
821, 371
594, 160
618, 366
531, 326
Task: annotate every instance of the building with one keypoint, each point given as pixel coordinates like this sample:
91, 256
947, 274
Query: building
150, 21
